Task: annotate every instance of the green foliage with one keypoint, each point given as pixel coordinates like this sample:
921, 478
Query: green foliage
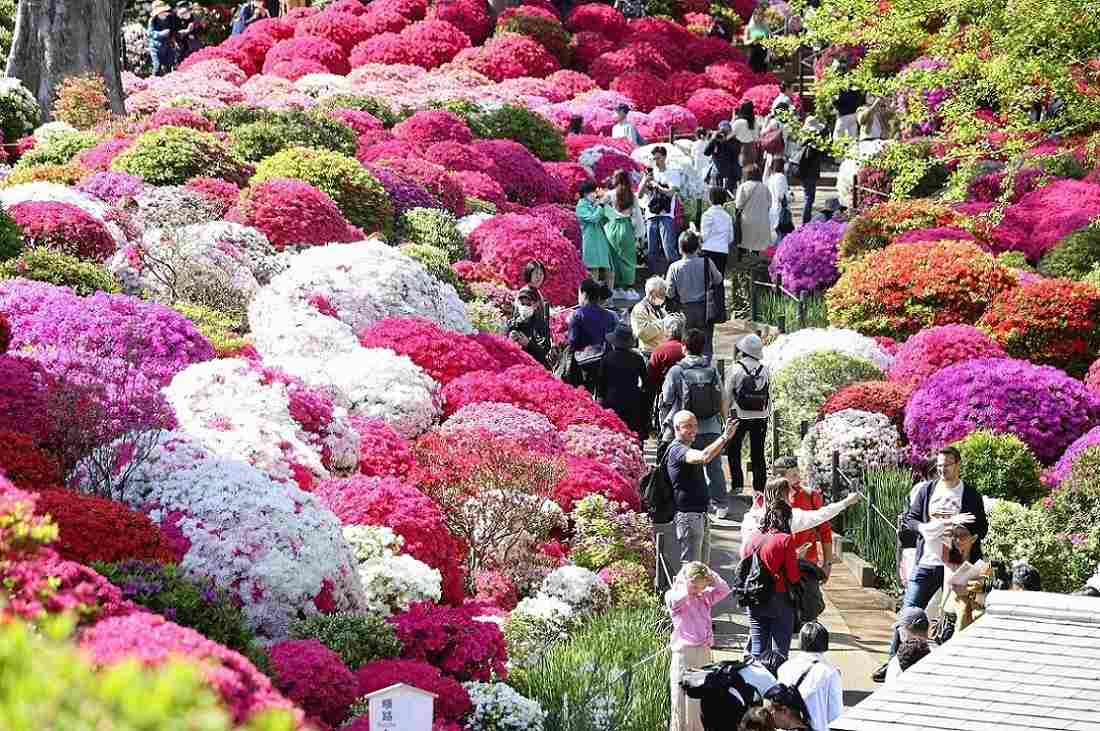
161, 588
356, 638
1017, 533
11, 237
485, 316
476, 205
603, 534
361, 198
19, 110
548, 33
1074, 256
174, 155
890, 486
227, 119
1015, 260
46, 265
1000, 466
435, 261
1093, 277
362, 103
581, 682
1074, 506
913, 171
263, 138
48, 685
434, 227
7, 29
59, 149
532, 130
1061, 165
223, 330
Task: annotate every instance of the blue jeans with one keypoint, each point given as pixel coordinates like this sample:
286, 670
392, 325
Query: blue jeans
809, 187
922, 586
661, 233
771, 626
690, 533
716, 475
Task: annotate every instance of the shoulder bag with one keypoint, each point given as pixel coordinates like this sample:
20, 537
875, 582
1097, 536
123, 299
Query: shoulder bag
715, 296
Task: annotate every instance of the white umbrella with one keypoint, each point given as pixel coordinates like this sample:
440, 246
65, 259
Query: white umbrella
676, 158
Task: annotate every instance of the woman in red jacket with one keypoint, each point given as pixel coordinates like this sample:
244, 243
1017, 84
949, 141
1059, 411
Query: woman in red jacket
772, 623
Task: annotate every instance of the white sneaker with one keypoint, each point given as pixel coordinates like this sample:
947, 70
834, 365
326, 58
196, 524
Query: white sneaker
722, 513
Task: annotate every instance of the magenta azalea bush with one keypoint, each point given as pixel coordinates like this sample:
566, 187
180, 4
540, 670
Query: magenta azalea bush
806, 259
294, 213
1062, 468
63, 227
453, 640
1045, 216
314, 677
1041, 405
506, 243
937, 347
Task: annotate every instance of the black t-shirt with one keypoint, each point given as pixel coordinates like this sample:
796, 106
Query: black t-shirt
689, 486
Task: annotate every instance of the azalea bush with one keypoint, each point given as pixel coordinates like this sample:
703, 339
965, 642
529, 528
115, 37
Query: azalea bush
524, 428
315, 678
875, 228
95, 529
293, 213
586, 477
452, 702
880, 397
357, 638
863, 440
806, 259
937, 347
1000, 466
64, 228
497, 707
614, 449
1061, 469
452, 639
1045, 216
606, 532
779, 353
173, 155
443, 355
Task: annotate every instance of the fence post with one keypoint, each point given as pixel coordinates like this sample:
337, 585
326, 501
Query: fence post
775, 436
802, 309
836, 476
782, 324
803, 427
754, 298
870, 514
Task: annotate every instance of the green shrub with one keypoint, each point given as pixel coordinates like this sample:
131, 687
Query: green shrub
19, 110
485, 316
1000, 466
1060, 165
362, 103
220, 328
1074, 506
356, 638
49, 685
435, 261
891, 487
531, 129
59, 149
434, 227
11, 237
264, 138
174, 155
1093, 277
1017, 533
1074, 256
361, 198
548, 33
227, 119
64, 270
603, 534
1015, 260
476, 205
162, 589
581, 682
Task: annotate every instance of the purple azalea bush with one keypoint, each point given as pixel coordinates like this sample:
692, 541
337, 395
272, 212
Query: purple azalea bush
1060, 471
1041, 405
806, 259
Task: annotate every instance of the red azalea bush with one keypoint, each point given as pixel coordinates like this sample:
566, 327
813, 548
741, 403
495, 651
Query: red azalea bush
433, 178
711, 106
152, 640
427, 43
587, 46
586, 477
319, 50
934, 348
294, 213
383, 20
458, 156
1044, 217
506, 243
411, 9
342, 28
452, 702
254, 43
880, 397
503, 351
571, 175
63, 227
682, 84
315, 678
481, 186
520, 173
905, 287
645, 90
405, 510
25, 389
635, 57
598, 18
1049, 322
27, 466
92, 528
512, 56
220, 192
452, 640
382, 451
442, 354
430, 126
470, 16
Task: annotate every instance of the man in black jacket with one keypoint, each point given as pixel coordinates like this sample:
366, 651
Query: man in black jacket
936, 507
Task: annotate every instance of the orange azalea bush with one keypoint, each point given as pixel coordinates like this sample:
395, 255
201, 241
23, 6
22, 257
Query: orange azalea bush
1051, 322
876, 228
906, 287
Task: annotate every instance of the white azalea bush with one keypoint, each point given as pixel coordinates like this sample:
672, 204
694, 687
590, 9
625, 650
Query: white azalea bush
498, 707
581, 589
19, 106
534, 625
276, 423
369, 542
391, 580
50, 130
277, 551
864, 440
787, 347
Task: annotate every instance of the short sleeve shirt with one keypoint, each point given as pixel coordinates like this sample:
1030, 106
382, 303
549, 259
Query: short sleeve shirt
689, 486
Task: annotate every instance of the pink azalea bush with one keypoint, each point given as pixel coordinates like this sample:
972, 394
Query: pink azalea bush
506, 243
382, 451
112, 187
1044, 217
503, 351
342, 28
63, 227
934, 348
711, 106
318, 50
598, 18
571, 175
1041, 405
590, 477
481, 186
430, 126
614, 449
510, 56
220, 192
496, 589
442, 354
1064, 466
294, 213
806, 259
315, 678
451, 639
427, 43
469, 16
572, 83
521, 427
455, 156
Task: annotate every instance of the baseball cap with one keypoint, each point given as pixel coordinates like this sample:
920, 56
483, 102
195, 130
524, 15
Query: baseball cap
912, 618
725, 125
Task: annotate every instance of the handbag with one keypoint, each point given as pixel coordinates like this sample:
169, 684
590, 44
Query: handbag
591, 355
786, 223
715, 297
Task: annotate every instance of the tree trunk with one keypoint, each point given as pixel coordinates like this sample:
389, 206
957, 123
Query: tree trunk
55, 39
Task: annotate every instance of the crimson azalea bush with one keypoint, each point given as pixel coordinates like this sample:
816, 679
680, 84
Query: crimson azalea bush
905, 287
63, 227
571, 175
442, 354
1051, 321
934, 348
455, 156
222, 193
452, 702
506, 243
806, 258
598, 18
96, 529
315, 678
880, 397
431, 126
307, 48
25, 396
382, 451
645, 90
586, 46
504, 351
451, 639
1041, 405
510, 56
5, 333
294, 213
342, 28
470, 16
25, 464
427, 43
411, 514
586, 477
520, 173
711, 106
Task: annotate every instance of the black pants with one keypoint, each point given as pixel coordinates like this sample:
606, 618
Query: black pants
718, 259
755, 429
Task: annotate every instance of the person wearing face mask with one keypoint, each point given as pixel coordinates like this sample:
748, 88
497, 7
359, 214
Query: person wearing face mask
803, 497
528, 326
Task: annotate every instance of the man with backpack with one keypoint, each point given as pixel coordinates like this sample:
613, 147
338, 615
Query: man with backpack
694, 385
750, 398
684, 465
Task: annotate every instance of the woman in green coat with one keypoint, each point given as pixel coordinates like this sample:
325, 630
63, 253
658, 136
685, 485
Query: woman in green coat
624, 223
595, 250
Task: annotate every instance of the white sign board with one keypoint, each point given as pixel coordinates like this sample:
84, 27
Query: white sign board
401, 707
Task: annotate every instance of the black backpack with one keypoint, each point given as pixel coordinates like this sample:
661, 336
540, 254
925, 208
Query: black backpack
748, 396
753, 584
656, 492
700, 391
723, 693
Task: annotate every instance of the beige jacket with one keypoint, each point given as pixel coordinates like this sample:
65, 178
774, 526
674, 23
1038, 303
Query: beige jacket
647, 325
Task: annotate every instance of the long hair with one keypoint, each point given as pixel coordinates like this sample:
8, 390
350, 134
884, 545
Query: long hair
747, 112
624, 191
777, 517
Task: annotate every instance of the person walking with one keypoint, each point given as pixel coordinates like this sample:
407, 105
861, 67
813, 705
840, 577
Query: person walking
700, 159
694, 385
746, 132
660, 189
771, 623
595, 249
688, 282
689, 602
685, 464
623, 228
716, 230
809, 163
816, 679
528, 326
749, 394
621, 381
778, 189
588, 328
647, 317
724, 149
753, 203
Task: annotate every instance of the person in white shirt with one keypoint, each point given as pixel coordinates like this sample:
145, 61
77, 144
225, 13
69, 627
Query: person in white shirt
623, 128
782, 98
817, 679
716, 230
699, 158
778, 187
745, 130
912, 627
660, 190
